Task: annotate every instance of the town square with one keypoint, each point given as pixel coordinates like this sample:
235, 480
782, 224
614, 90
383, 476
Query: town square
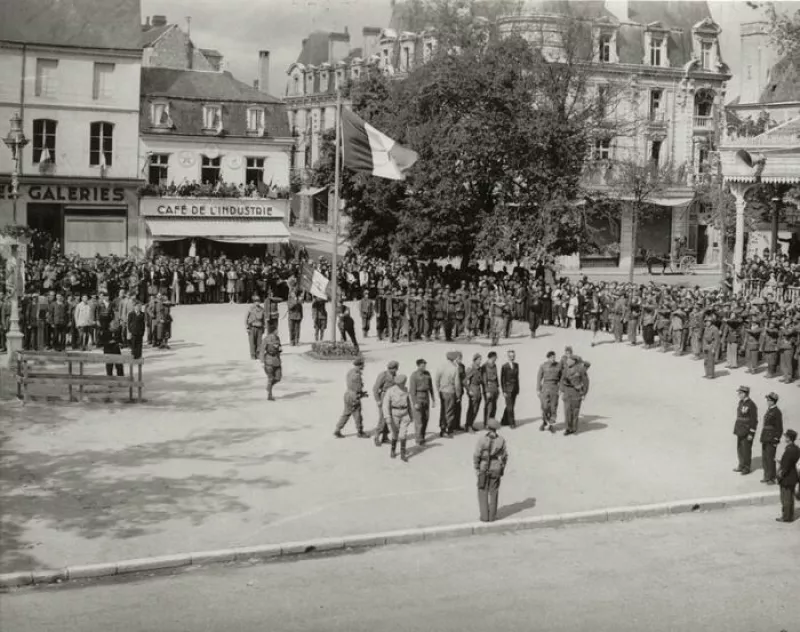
465, 312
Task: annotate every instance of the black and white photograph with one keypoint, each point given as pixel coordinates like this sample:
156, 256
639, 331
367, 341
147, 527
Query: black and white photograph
399, 315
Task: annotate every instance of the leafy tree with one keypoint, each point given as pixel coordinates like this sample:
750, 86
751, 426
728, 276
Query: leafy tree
502, 132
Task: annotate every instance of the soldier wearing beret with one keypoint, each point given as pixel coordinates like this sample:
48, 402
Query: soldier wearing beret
771, 432
489, 460
745, 429
788, 476
354, 384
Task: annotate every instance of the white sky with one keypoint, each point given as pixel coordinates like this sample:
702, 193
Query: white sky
240, 28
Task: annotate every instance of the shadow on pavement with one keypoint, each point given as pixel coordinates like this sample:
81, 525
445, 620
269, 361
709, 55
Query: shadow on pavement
114, 493
515, 508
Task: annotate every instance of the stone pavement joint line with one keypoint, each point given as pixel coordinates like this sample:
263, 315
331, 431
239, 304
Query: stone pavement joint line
295, 550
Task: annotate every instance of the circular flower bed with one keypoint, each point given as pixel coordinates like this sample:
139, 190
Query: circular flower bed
327, 350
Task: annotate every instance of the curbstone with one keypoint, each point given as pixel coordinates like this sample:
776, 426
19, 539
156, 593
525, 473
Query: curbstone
260, 551
585, 517
12, 580
154, 563
208, 557
91, 570
404, 537
314, 546
358, 541
50, 576
658, 509
450, 531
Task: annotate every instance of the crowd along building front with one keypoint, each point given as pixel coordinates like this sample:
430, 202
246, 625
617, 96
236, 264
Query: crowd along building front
76, 90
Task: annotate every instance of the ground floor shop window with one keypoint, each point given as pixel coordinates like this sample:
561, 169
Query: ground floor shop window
90, 235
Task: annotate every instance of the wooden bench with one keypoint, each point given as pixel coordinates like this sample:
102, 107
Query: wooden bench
32, 369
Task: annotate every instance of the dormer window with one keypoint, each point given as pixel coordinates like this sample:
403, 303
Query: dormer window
706, 55
212, 118
604, 48
656, 50
427, 51
405, 59
356, 72
385, 58
159, 115
339, 78
255, 120
309, 82
297, 88
323, 81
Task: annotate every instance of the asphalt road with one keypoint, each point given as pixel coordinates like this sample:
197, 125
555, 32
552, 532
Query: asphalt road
733, 570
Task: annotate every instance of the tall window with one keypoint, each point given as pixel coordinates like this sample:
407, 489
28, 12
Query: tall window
322, 124
254, 172
210, 169
656, 46
604, 53
46, 77
706, 55
703, 103
702, 160
255, 120
158, 170
602, 101
602, 149
212, 117
103, 73
656, 97
160, 115
406, 60
44, 141
655, 153
427, 51
101, 144
297, 85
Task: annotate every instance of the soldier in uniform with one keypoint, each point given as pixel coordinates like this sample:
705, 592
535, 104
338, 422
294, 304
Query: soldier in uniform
534, 311
497, 316
295, 317
416, 325
769, 347
271, 358
632, 315
382, 313
254, 323
771, 432
460, 311
428, 309
617, 315
271, 309
448, 385
397, 410
732, 339
547, 384
696, 322
473, 384
353, 394
573, 388
711, 342
491, 387
367, 308
462, 376
489, 460
663, 326
788, 476
420, 389
677, 323
382, 384
439, 312
319, 314
752, 341
786, 349
648, 325
448, 305
745, 429
509, 382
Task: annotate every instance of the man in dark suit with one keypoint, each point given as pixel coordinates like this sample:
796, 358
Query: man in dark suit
136, 329
787, 476
509, 383
771, 432
745, 429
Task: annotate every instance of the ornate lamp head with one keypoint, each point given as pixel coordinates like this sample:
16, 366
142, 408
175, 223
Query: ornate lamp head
16, 137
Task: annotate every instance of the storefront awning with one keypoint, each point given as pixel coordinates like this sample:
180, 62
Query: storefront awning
238, 231
312, 191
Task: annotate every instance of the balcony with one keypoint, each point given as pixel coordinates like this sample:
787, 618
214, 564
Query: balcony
704, 124
220, 190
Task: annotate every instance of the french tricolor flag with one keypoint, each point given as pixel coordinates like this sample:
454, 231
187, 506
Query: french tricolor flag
366, 149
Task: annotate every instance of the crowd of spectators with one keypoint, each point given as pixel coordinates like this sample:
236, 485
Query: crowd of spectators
220, 189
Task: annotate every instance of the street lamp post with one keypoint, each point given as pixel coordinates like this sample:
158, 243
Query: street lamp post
16, 141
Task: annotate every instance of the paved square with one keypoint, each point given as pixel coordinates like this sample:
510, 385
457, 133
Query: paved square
208, 463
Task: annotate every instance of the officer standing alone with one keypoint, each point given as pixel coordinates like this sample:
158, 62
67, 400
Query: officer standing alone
771, 432
271, 357
490, 460
787, 476
745, 429
254, 323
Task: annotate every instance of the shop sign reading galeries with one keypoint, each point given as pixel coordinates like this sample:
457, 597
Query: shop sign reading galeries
221, 208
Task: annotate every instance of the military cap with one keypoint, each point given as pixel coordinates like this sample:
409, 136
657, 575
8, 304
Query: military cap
743, 389
394, 364
400, 379
772, 397
359, 361
493, 424
791, 434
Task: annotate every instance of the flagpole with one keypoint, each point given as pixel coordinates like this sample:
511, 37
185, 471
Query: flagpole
335, 257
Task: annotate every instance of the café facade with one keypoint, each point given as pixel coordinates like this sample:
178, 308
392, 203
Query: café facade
208, 226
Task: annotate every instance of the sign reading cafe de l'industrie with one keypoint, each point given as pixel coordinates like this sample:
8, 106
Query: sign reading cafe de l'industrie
249, 208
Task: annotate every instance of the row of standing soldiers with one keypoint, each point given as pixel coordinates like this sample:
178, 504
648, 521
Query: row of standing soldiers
417, 313
713, 333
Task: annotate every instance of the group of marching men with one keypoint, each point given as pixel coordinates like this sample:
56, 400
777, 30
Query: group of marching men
403, 401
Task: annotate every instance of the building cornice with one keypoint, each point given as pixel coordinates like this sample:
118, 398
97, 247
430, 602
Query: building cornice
218, 140
66, 107
134, 53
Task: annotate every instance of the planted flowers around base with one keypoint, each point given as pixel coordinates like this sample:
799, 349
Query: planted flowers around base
328, 350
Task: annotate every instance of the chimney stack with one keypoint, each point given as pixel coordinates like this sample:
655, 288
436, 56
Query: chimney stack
263, 70
146, 25
159, 20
